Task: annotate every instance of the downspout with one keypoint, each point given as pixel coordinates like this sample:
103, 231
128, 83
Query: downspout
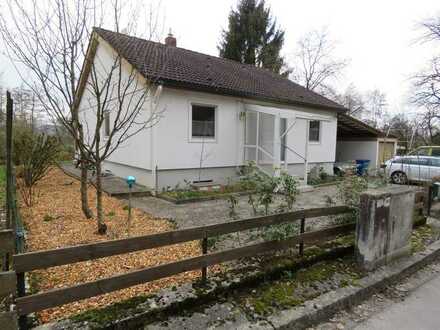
306, 152
153, 108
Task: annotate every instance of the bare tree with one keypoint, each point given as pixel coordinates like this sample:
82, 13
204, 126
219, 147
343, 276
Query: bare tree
120, 104
376, 107
428, 122
351, 99
315, 66
427, 82
50, 38
28, 109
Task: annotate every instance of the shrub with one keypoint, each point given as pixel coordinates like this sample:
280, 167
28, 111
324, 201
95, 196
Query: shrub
33, 155
349, 192
289, 187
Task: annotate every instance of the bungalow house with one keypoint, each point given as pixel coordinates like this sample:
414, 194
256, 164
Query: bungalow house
217, 115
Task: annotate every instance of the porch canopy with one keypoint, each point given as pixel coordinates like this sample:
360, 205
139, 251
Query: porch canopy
350, 127
265, 136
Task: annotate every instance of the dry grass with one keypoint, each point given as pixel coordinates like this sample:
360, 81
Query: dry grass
56, 221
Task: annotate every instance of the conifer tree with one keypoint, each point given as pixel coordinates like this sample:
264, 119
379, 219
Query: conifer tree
253, 37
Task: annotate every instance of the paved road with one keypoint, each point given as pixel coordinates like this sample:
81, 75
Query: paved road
420, 310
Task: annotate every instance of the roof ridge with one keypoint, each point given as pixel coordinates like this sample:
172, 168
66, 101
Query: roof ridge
199, 53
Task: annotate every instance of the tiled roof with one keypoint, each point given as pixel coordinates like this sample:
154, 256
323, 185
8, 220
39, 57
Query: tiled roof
178, 67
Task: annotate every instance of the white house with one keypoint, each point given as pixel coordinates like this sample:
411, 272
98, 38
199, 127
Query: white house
217, 114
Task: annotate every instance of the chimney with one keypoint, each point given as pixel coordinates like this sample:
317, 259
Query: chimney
170, 40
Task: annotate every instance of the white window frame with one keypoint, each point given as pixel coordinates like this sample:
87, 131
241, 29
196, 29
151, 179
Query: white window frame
195, 139
320, 132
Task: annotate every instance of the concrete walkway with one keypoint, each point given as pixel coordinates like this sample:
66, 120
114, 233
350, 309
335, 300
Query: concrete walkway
112, 185
420, 310
217, 211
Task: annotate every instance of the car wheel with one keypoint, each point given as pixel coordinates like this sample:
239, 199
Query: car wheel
399, 178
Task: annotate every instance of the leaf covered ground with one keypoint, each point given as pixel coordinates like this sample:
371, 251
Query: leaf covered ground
56, 221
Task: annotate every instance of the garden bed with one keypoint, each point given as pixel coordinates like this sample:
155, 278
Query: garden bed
199, 196
325, 181
56, 220
188, 195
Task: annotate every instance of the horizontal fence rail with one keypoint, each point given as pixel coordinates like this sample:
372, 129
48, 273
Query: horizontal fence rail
56, 297
49, 258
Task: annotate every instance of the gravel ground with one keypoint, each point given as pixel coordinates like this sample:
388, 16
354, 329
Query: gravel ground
217, 211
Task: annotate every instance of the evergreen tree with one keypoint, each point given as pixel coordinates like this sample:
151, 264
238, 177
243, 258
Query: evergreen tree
253, 37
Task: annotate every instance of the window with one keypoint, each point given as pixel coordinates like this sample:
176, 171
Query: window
314, 130
106, 123
423, 152
435, 161
435, 152
419, 161
203, 121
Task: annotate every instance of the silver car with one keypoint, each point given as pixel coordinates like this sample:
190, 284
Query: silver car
402, 169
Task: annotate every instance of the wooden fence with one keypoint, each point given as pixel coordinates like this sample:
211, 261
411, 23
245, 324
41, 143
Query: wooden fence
44, 259
11, 281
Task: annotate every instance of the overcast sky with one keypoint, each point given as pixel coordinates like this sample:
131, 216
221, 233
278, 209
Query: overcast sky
377, 36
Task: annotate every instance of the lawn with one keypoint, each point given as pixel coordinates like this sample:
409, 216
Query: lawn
2, 185
56, 220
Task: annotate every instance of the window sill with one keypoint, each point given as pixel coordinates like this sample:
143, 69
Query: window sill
202, 140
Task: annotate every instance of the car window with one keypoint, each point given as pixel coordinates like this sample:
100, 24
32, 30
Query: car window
419, 161
422, 152
435, 152
435, 162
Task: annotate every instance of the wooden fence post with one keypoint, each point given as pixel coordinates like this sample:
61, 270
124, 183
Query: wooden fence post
204, 251
8, 284
21, 292
429, 200
301, 231
9, 102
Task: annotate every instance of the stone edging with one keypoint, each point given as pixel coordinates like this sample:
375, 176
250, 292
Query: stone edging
201, 199
324, 306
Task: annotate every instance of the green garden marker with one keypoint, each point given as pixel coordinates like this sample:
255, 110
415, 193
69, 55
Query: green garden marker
131, 180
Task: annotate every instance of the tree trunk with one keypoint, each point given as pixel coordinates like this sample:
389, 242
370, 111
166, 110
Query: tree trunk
84, 197
102, 227
83, 166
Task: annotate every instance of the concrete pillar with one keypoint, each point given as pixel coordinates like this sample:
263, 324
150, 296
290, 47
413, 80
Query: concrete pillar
383, 231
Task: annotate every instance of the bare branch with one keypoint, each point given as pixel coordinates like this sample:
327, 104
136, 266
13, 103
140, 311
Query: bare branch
314, 66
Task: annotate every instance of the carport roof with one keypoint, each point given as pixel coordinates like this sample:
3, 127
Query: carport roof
350, 127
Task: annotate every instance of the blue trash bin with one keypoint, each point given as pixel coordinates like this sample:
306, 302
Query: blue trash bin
362, 166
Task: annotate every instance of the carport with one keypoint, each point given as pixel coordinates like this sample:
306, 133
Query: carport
357, 140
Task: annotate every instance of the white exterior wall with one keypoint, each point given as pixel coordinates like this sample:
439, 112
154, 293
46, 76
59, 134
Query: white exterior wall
319, 152
134, 152
169, 146
175, 147
352, 150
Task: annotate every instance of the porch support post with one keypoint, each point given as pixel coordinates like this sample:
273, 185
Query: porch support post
277, 145
306, 152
